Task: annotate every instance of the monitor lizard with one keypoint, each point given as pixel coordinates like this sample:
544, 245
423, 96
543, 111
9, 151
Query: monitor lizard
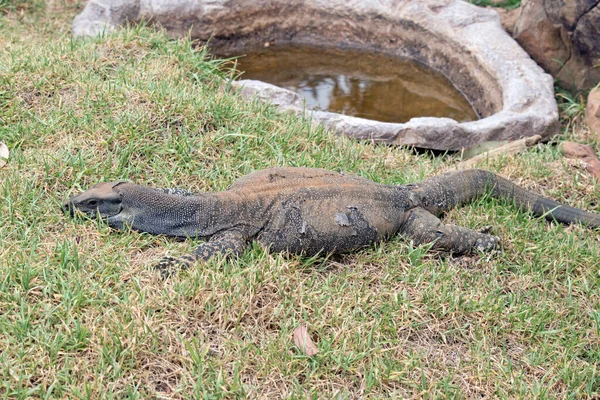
311, 211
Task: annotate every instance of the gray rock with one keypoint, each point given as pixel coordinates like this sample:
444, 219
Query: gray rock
466, 43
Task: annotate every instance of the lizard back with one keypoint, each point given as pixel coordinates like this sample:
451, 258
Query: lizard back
311, 210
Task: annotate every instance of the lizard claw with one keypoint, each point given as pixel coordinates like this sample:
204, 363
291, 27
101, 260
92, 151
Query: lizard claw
486, 229
169, 266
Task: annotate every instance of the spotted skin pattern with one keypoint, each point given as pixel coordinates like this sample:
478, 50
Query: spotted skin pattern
312, 211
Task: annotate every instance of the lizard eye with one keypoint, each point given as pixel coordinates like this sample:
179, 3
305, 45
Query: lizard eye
91, 203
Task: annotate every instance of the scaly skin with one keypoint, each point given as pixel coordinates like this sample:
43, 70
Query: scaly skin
310, 211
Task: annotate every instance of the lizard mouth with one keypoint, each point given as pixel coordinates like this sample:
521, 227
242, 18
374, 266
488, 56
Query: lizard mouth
67, 207
71, 208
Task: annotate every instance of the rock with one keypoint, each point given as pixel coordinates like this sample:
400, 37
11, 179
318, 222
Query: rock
508, 18
585, 154
467, 44
545, 42
564, 38
592, 111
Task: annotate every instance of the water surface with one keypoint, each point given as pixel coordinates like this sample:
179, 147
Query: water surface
367, 85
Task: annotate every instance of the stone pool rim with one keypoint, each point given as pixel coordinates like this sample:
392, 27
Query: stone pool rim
465, 43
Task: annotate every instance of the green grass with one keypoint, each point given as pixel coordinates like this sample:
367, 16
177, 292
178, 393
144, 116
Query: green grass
508, 4
84, 315
21, 6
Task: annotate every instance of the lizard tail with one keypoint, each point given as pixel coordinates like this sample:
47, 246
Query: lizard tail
447, 191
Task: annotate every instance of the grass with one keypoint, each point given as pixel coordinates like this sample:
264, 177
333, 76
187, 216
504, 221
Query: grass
84, 315
508, 4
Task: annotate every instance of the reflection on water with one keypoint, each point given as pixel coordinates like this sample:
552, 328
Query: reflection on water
366, 85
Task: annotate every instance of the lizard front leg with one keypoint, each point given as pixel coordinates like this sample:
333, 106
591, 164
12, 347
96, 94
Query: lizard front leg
424, 227
226, 243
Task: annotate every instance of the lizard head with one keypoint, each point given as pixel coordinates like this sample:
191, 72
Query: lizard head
101, 200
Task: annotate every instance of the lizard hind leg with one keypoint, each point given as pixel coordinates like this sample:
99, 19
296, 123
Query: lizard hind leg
424, 227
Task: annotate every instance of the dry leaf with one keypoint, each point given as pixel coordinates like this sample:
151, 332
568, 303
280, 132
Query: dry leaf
303, 341
3, 154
